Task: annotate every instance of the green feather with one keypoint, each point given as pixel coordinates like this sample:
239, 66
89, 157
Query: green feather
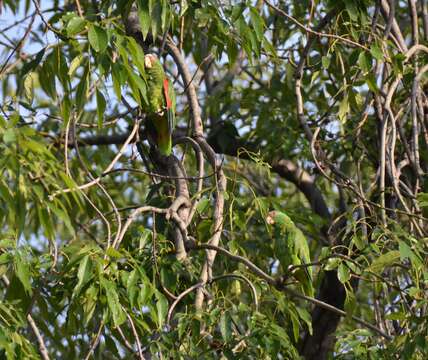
155, 77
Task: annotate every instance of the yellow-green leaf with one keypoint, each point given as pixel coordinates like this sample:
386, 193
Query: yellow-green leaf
76, 25
383, 261
75, 63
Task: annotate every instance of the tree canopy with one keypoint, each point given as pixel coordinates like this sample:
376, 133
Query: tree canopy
290, 222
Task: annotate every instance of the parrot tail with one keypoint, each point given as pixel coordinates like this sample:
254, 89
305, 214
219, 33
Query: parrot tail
159, 135
165, 144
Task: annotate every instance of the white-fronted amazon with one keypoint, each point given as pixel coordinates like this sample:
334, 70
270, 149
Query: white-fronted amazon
161, 105
291, 248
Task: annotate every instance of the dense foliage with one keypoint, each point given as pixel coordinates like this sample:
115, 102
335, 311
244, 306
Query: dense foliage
289, 223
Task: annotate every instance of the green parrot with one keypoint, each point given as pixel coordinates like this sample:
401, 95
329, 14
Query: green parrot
291, 248
161, 106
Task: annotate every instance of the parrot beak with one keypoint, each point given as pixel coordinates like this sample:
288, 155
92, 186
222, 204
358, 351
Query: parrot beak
149, 59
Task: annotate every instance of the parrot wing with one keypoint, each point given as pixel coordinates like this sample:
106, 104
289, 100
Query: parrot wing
169, 95
291, 248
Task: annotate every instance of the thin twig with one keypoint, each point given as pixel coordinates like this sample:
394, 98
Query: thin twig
95, 341
313, 32
334, 309
244, 279
132, 217
79, 8
19, 45
109, 167
42, 346
137, 338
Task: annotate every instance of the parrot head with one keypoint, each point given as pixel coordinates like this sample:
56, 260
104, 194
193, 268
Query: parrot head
154, 67
150, 60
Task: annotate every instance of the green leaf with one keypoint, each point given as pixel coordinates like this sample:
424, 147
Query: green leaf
138, 86
407, 253
84, 274
60, 213
376, 52
203, 205
204, 229
22, 271
47, 79
75, 26
257, 22
156, 21
112, 252
101, 107
332, 263
423, 199
145, 294
9, 136
226, 326
144, 238
271, 49
343, 273
5, 258
350, 303
144, 17
398, 61
17, 294
137, 55
352, 10
98, 38
118, 315
306, 317
295, 322
364, 61
31, 65
384, 260
232, 51
131, 287
165, 15
325, 60
325, 252
343, 109
371, 83
416, 293
161, 307
118, 78
60, 67
396, 316
90, 303
82, 88
359, 241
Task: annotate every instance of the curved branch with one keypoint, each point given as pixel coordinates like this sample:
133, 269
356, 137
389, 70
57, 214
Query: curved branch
178, 299
244, 279
192, 98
